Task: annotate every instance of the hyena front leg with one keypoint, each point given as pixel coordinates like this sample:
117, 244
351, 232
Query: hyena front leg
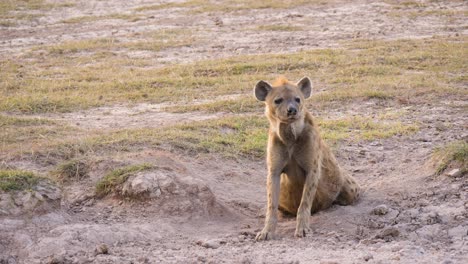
276, 164
308, 194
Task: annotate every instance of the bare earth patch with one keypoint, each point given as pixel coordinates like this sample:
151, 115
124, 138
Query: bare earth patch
397, 122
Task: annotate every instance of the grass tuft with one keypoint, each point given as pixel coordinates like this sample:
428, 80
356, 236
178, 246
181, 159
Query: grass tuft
71, 170
112, 182
454, 152
17, 180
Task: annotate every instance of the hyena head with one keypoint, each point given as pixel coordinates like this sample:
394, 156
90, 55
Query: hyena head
284, 100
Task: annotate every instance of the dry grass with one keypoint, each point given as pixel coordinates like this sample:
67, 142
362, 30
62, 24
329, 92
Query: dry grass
95, 50
201, 6
87, 19
455, 152
231, 136
20, 133
279, 28
428, 69
71, 170
14, 11
242, 104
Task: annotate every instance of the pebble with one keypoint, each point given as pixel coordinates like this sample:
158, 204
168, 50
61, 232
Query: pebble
380, 210
328, 261
454, 173
101, 249
56, 260
368, 257
388, 232
212, 243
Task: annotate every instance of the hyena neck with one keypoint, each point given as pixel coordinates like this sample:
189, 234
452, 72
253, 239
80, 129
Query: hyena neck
288, 133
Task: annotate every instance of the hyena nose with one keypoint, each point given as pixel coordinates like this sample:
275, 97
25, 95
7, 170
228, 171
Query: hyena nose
292, 111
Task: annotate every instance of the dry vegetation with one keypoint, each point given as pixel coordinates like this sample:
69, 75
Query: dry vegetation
419, 70
56, 79
454, 152
384, 102
200, 6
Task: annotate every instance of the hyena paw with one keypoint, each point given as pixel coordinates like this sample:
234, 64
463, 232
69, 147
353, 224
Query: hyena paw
264, 235
302, 229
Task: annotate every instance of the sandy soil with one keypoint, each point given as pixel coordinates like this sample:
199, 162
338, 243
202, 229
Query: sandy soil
213, 206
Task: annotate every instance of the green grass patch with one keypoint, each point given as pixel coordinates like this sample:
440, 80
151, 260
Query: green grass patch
113, 181
17, 180
454, 152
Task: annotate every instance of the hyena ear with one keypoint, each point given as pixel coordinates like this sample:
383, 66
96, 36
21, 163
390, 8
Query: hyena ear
261, 90
305, 85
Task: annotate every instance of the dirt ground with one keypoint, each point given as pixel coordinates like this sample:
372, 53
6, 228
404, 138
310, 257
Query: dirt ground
215, 205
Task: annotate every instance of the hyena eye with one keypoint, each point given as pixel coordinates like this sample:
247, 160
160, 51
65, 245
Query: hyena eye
278, 101
298, 100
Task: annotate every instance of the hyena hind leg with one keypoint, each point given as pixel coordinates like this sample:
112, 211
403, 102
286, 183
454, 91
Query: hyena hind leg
350, 192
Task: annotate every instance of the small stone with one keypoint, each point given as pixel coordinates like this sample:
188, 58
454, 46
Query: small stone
388, 232
458, 232
454, 173
368, 257
143, 260
101, 249
328, 261
212, 243
380, 210
56, 260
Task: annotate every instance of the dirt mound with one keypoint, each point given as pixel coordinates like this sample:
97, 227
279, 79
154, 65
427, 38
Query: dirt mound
171, 193
41, 198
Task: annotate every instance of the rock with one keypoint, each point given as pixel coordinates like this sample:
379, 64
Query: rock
454, 173
41, 198
172, 193
8, 260
388, 232
328, 261
380, 210
143, 260
368, 257
447, 261
458, 232
144, 184
212, 243
101, 249
56, 260
430, 232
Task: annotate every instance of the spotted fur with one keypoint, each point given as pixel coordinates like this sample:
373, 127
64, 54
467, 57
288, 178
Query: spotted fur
303, 174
